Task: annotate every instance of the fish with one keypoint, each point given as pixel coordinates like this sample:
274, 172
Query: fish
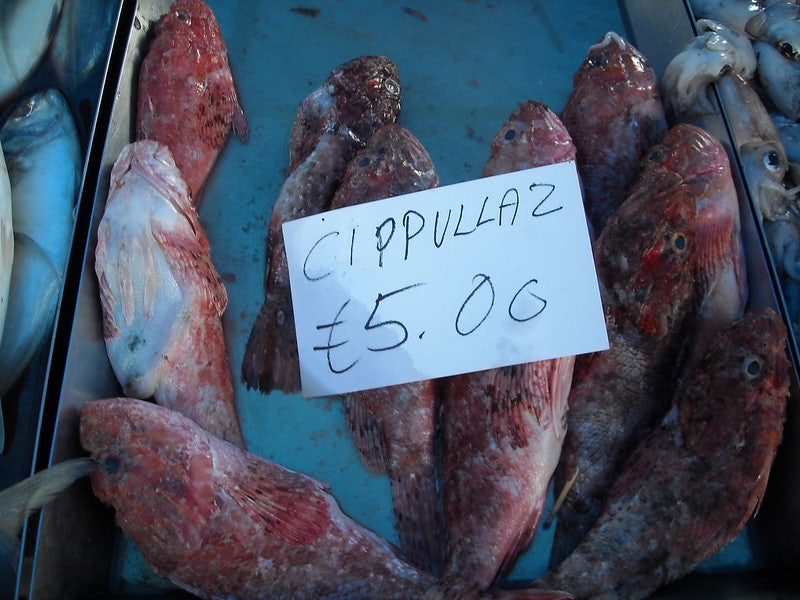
43, 154
502, 429
332, 122
394, 427
162, 299
21, 499
736, 13
614, 115
670, 266
26, 29
220, 522
186, 96
789, 133
81, 45
692, 484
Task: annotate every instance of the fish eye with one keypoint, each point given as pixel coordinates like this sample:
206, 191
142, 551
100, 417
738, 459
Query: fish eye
510, 134
598, 60
787, 50
679, 241
772, 161
657, 154
111, 465
391, 86
751, 367
183, 17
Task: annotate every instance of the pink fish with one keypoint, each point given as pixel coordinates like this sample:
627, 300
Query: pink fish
220, 522
162, 298
671, 271
502, 429
331, 124
614, 115
394, 427
186, 95
692, 484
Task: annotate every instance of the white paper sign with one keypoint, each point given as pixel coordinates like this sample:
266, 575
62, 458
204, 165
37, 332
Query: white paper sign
455, 279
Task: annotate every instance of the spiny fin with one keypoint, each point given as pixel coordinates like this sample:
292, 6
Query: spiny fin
367, 434
293, 507
240, 127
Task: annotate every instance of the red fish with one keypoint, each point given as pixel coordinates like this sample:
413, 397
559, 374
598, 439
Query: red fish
162, 298
671, 270
331, 124
502, 429
692, 484
220, 522
187, 99
614, 115
394, 427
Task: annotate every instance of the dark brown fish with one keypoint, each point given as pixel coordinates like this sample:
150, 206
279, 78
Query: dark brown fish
502, 429
394, 427
331, 124
614, 115
692, 484
187, 99
220, 522
671, 271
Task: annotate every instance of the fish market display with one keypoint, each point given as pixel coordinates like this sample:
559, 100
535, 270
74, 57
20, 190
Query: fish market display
671, 272
394, 427
186, 95
21, 499
502, 429
331, 124
162, 299
690, 486
614, 115
758, 142
42, 149
26, 28
222, 523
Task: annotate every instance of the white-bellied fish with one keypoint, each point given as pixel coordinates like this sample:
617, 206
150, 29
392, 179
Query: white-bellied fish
162, 298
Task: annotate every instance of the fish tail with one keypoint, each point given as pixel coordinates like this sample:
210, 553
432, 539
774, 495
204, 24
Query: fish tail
268, 365
23, 498
419, 512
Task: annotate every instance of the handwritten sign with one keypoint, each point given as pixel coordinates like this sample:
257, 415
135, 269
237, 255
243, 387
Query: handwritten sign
461, 278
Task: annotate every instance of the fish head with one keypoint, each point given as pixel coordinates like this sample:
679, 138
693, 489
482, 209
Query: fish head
533, 136
393, 162
192, 22
155, 470
367, 94
745, 374
661, 250
614, 66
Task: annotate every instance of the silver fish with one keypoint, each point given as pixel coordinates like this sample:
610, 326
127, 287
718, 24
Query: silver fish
43, 155
21, 499
26, 28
